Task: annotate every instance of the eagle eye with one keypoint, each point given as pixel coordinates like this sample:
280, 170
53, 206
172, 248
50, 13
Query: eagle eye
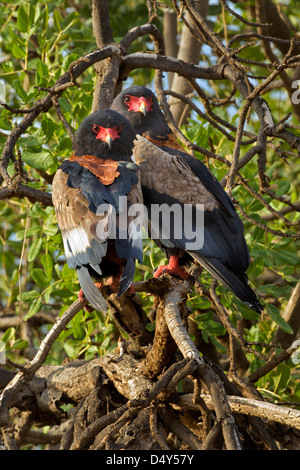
96, 128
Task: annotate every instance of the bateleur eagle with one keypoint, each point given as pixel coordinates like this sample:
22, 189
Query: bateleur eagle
92, 193
171, 176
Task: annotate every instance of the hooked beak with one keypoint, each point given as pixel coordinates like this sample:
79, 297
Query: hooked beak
109, 139
143, 106
108, 134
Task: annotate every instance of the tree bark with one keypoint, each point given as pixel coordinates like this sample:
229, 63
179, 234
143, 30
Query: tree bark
189, 51
170, 37
107, 70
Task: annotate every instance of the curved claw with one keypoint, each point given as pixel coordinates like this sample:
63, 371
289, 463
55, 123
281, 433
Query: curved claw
172, 268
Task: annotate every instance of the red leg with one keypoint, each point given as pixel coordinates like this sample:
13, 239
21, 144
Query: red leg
172, 268
114, 282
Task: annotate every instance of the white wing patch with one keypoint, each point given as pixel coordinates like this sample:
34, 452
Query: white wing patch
78, 249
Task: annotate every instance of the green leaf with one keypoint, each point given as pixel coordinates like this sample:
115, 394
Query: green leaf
5, 125
47, 263
29, 296
204, 317
22, 18
45, 17
50, 229
287, 257
67, 273
34, 308
57, 20
19, 88
20, 344
38, 160
283, 375
42, 73
36, 211
40, 277
256, 268
25, 17
215, 328
30, 142
78, 331
35, 249
31, 231
246, 311
150, 327
203, 304
283, 188
8, 335
276, 317
19, 51
70, 347
48, 127
106, 343
218, 345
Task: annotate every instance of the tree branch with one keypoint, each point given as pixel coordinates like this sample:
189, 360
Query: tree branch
27, 372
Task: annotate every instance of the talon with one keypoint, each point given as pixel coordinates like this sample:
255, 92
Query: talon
172, 268
114, 282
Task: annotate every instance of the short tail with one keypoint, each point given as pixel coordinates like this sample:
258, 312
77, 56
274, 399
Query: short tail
92, 294
238, 284
127, 276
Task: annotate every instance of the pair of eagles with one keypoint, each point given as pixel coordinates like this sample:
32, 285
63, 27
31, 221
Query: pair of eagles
126, 156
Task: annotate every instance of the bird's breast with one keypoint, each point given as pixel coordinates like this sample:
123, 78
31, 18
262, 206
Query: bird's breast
106, 170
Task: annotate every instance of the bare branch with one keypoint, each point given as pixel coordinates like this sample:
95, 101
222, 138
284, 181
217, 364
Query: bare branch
251, 407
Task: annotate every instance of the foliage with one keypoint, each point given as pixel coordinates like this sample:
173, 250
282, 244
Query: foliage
39, 40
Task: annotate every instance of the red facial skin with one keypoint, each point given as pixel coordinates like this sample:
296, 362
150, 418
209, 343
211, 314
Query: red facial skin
107, 134
139, 104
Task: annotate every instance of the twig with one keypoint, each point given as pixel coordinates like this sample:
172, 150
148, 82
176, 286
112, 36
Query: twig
26, 191
179, 429
90, 432
249, 406
16, 111
62, 117
211, 436
227, 324
31, 367
264, 203
283, 211
199, 112
295, 236
271, 364
253, 34
240, 18
155, 431
221, 407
